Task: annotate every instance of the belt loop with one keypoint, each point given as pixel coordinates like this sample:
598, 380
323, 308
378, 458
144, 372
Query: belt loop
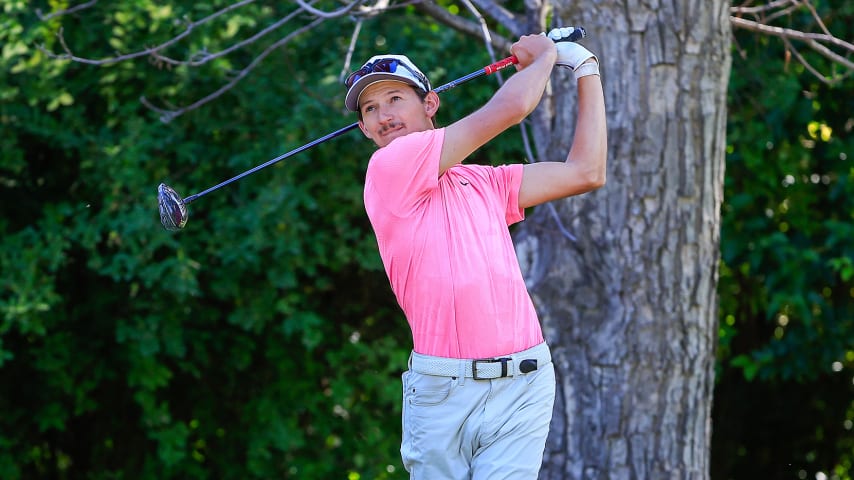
461, 375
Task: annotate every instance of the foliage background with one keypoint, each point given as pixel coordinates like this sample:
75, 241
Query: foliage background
263, 341
784, 401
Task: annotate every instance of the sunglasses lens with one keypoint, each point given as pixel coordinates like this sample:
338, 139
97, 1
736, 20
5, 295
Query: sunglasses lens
386, 65
354, 77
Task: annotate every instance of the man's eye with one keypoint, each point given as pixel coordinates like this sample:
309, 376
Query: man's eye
369, 109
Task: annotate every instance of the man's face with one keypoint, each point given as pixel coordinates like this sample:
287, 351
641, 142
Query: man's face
392, 109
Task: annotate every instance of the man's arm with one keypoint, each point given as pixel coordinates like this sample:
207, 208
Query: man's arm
509, 106
584, 168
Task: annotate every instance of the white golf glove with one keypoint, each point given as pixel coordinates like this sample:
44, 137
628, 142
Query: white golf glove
573, 55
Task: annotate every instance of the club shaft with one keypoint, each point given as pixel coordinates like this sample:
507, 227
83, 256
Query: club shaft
487, 70
275, 160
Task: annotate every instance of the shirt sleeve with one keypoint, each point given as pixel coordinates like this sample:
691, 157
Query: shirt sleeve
406, 170
508, 180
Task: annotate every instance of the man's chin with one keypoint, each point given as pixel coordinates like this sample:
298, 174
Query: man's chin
388, 137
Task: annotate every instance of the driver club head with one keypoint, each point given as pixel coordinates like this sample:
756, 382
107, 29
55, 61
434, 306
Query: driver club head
173, 210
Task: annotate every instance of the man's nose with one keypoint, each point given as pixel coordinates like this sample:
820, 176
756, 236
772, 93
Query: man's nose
385, 114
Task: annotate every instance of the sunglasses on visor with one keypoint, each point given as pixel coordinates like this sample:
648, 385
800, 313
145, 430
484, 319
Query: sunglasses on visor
385, 65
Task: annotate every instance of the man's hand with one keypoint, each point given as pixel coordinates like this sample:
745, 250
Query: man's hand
571, 54
531, 47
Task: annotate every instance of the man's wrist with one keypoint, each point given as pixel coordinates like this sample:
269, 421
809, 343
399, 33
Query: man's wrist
590, 67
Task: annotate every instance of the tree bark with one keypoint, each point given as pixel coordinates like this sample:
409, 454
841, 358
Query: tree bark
625, 282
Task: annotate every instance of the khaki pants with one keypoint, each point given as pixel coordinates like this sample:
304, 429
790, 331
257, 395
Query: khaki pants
457, 428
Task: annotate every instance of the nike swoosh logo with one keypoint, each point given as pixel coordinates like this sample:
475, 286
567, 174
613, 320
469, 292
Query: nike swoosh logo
463, 183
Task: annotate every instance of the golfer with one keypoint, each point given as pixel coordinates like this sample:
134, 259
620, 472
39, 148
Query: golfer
479, 392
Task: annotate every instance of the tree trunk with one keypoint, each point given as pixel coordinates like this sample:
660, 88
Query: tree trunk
625, 282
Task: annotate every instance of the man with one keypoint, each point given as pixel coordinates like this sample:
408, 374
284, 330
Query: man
479, 392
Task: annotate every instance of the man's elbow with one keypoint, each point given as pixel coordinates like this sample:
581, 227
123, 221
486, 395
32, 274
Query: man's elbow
590, 166
597, 175
598, 179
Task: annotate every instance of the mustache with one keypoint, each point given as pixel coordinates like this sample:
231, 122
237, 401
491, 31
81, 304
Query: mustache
390, 126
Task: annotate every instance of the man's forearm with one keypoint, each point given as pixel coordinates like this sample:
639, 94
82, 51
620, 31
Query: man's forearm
530, 83
590, 145
522, 92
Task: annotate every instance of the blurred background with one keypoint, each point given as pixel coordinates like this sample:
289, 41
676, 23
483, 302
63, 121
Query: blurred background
263, 341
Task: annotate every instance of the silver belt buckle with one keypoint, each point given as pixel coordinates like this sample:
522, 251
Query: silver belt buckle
503, 362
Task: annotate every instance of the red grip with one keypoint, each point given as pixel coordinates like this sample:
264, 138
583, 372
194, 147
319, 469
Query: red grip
490, 69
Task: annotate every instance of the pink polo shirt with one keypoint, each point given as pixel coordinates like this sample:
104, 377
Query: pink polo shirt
447, 251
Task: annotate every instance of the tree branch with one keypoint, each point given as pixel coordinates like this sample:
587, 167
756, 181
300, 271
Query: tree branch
60, 13
794, 51
348, 57
763, 15
760, 17
559, 223
504, 17
336, 13
200, 58
68, 55
817, 18
460, 24
487, 36
168, 115
811, 39
761, 8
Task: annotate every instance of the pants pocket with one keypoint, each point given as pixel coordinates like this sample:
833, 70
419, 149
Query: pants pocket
427, 390
422, 394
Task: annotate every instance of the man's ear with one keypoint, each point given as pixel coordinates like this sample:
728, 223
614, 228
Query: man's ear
431, 104
362, 128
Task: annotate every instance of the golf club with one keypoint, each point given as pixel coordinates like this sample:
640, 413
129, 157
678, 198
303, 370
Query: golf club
173, 209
